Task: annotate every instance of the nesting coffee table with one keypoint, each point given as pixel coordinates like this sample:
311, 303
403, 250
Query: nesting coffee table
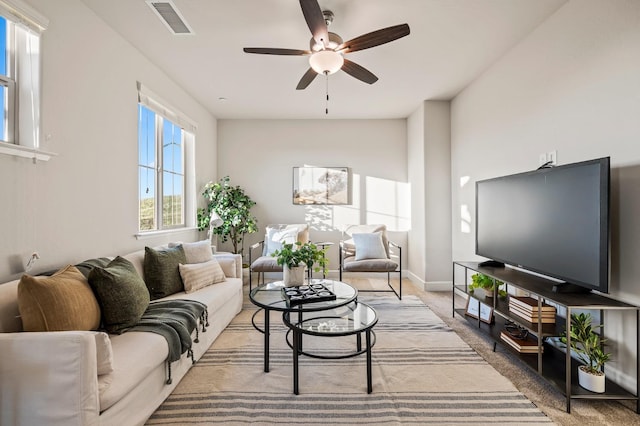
343, 316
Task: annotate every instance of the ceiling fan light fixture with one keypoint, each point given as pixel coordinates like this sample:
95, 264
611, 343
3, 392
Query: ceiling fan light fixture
326, 61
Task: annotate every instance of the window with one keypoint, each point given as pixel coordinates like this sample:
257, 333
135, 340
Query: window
161, 171
20, 29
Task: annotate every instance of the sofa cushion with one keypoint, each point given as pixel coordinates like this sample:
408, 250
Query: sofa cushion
198, 275
369, 246
121, 293
197, 252
161, 273
61, 302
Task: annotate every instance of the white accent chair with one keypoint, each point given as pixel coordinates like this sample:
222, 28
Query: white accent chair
275, 236
368, 249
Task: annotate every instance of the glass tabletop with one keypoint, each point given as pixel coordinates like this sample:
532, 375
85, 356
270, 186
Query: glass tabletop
345, 320
269, 296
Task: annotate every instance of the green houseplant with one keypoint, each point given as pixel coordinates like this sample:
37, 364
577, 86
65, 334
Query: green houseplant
233, 206
299, 255
589, 347
486, 283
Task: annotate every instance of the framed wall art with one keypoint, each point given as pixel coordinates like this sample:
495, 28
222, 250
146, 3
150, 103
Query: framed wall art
321, 185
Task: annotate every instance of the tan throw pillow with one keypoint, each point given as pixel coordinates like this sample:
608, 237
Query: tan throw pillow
198, 252
62, 302
199, 275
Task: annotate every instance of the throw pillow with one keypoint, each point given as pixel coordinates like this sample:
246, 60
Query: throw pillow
64, 301
228, 265
121, 292
161, 272
199, 275
275, 238
104, 353
197, 252
369, 246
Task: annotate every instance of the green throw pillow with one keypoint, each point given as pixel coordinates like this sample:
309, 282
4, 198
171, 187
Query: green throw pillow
121, 293
161, 273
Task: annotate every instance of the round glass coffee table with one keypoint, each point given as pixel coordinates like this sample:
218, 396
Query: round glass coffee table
355, 318
269, 298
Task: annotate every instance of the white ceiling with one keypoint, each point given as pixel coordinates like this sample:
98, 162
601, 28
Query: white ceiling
451, 43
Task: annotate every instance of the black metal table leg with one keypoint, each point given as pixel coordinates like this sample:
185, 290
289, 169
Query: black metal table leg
296, 342
369, 374
266, 340
359, 342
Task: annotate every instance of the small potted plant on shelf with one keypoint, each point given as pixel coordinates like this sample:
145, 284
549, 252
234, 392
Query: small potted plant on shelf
294, 258
589, 347
486, 285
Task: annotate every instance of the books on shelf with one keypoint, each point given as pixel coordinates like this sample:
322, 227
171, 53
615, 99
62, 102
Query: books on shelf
528, 345
527, 309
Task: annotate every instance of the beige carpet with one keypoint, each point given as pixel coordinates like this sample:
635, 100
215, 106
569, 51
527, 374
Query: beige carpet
423, 373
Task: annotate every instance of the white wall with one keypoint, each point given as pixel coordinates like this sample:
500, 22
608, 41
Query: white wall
83, 203
259, 155
573, 86
429, 162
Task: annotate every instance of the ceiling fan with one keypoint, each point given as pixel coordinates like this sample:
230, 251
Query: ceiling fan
327, 50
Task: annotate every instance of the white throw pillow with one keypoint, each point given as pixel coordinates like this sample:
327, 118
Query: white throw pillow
199, 275
369, 246
275, 238
198, 252
104, 353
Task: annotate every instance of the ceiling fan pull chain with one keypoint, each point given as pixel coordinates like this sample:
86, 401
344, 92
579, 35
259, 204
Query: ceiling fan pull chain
326, 109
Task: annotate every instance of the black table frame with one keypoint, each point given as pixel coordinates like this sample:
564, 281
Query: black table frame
307, 307
297, 329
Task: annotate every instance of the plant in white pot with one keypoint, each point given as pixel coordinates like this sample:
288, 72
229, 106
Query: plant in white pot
589, 348
294, 258
486, 285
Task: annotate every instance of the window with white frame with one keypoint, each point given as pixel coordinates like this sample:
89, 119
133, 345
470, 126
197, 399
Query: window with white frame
20, 29
162, 165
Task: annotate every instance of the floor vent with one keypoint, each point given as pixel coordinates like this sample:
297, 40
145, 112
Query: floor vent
170, 16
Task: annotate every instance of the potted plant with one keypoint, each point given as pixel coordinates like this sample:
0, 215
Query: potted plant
486, 284
589, 347
233, 206
294, 258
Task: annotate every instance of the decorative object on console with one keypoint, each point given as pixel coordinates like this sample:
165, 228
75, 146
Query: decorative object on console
295, 257
321, 185
233, 207
587, 344
487, 285
527, 309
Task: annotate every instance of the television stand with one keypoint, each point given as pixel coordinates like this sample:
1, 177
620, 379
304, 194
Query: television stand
546, 355
568, 288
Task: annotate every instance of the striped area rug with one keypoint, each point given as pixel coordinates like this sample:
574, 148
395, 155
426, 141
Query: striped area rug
423, 373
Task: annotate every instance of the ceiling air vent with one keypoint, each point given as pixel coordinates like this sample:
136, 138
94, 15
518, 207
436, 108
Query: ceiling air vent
170, 16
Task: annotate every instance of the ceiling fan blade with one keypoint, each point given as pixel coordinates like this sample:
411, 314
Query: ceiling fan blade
276, 51
359, 72
306, 79
315, 20
374, 38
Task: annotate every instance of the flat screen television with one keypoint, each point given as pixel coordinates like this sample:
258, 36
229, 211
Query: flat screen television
552, 221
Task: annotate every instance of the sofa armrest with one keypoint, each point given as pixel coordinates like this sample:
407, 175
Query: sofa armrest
48, 378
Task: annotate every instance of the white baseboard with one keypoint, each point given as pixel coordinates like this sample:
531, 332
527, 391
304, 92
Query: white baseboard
429, 285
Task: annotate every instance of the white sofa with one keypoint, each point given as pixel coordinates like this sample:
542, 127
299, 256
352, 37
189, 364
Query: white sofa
50, 378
